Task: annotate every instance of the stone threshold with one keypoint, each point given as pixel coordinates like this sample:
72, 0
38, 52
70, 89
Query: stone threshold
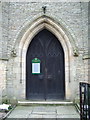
45, 102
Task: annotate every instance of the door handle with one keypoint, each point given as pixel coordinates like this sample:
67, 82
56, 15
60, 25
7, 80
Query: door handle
40, 77
49, 77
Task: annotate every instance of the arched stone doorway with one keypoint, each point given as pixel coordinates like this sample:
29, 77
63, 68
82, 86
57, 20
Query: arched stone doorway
47, 81
45, 22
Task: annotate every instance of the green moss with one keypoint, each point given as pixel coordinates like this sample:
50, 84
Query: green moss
6, 101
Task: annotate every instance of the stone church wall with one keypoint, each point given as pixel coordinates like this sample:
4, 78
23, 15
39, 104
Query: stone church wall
15, 15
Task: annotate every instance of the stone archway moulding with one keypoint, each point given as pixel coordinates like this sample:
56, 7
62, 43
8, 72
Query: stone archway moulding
54, 27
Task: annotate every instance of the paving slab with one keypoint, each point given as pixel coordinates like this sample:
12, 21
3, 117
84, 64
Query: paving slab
34, 116
2, 114
44, 112
21, 112
67, 116
66, 110
49, 116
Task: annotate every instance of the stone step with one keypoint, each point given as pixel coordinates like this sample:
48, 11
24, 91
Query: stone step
44, 103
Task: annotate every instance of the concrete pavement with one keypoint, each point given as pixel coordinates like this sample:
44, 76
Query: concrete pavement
44, 112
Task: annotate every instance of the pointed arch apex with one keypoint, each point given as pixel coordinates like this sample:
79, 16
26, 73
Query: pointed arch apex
50, 23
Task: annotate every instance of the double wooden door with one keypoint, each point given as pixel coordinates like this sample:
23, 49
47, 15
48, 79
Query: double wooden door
50, 82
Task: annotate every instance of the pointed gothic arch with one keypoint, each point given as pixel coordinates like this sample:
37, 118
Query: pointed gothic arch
66, 41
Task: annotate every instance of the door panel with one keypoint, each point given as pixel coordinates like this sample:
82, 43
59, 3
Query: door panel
50, 84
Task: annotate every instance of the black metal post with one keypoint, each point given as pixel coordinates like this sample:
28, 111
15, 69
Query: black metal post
84, 101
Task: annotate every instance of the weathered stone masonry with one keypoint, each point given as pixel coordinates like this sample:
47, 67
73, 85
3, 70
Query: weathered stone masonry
17, 18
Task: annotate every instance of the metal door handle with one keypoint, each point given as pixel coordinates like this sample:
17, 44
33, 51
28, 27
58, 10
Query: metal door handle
40, 77
49, 77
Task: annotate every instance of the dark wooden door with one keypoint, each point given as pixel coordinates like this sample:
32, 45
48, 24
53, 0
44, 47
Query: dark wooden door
50, 83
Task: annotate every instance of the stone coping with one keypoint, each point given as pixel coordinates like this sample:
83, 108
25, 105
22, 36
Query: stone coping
45, 102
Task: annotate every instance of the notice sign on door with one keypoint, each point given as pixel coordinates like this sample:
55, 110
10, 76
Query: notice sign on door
35, 66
